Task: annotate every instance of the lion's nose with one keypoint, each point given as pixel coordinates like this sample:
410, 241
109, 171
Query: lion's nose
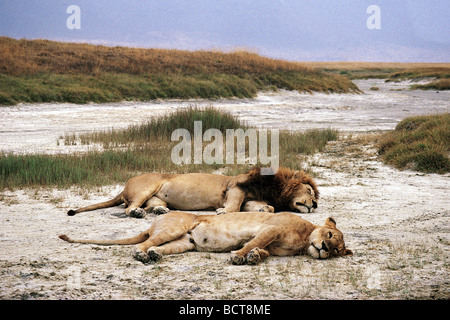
324, 246
314, 204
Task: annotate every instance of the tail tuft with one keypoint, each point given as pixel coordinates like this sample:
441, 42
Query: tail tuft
64, 237
71, 212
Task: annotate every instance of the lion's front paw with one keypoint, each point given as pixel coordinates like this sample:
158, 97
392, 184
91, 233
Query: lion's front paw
237, 259
267, 208
160, 210
221, 211
138, 213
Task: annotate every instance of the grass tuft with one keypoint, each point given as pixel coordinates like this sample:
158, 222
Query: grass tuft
441, 84
419, 143
144, 148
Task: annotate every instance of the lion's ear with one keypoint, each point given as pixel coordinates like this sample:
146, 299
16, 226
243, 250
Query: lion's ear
330, 223
297, 174
347, 252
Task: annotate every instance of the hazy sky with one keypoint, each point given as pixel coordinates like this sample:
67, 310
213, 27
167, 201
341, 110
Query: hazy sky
314, 30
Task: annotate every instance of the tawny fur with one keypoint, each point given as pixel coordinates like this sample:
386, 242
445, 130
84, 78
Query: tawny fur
287, 190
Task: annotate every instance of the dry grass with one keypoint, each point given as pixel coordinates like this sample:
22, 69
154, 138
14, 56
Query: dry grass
28, 57
48, 71
359, 65
387, 70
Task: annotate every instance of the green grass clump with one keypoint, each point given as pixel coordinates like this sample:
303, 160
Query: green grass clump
419, 143
90, 169
145, 148
161, 128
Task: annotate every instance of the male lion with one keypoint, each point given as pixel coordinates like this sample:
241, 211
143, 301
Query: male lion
287, 190
254, 236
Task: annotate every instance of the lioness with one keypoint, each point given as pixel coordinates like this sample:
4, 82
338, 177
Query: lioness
254, 235
287, 190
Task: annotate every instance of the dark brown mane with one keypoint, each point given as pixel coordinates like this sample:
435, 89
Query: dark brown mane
278, 189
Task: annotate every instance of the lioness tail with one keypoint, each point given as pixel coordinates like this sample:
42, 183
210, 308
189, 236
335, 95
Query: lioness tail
133, 240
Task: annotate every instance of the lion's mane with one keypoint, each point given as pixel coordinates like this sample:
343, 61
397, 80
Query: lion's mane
278, 189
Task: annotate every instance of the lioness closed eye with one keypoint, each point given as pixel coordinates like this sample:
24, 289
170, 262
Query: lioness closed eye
250, 236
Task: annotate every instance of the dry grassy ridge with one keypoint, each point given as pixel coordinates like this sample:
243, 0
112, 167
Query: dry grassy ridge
48, 71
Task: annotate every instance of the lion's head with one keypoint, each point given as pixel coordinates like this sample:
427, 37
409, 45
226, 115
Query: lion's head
327, 242
287, 190
303, 199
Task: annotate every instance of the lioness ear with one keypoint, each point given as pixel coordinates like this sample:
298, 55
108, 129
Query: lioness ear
347, 252
330, 223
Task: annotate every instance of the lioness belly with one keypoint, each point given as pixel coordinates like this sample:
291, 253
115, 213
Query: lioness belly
207, 237
193, 192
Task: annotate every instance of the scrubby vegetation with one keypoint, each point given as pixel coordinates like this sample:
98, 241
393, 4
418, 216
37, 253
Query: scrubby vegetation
441, 84
420, 143
144, 148
438, 73
48, 71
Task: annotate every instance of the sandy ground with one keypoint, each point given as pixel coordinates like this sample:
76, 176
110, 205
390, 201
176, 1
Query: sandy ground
396, 223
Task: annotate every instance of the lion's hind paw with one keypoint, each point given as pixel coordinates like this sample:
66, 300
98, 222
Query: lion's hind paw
267, 208
153, 255
150, 257
138, 213
141, 256
160, 210
221, 211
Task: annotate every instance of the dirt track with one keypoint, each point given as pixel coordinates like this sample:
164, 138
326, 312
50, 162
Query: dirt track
396, 223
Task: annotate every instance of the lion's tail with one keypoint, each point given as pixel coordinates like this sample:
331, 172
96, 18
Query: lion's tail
133, 240
110, 203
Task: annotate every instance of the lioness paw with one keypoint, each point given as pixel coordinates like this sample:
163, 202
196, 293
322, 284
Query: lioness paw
254, 256
237, 259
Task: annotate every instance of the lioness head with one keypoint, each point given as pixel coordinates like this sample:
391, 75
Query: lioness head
304, 199
327, 242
